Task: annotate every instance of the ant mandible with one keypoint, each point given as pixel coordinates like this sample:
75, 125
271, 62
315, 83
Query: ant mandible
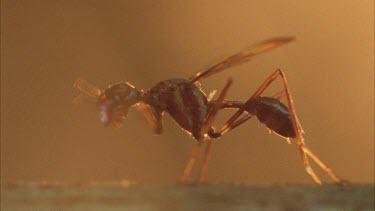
188, 105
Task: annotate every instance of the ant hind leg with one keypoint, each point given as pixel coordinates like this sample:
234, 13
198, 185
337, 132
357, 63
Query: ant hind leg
235, 121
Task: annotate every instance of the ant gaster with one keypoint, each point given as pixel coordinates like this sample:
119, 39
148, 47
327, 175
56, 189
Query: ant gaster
188, 105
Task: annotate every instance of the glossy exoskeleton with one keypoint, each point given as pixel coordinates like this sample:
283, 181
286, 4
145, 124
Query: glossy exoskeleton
189, 106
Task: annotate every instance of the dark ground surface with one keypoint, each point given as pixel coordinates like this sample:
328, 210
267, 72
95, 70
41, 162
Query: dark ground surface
127, 196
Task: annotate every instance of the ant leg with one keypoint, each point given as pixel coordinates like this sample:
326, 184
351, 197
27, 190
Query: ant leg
260, 90
231, 123
214, 109
206, 127
190, 164
204, 162
154, 118
238, 104
324, 166
297, 129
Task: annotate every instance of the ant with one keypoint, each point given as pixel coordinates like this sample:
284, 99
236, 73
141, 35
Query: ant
188, 105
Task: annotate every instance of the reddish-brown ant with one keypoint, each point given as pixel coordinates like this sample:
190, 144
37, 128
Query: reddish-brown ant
189, 106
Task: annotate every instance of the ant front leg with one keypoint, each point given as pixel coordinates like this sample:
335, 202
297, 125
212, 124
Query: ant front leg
154, 118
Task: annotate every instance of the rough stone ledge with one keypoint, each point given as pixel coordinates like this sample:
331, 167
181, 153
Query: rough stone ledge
128, 196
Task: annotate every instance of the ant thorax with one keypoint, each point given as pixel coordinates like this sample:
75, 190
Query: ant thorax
184, 101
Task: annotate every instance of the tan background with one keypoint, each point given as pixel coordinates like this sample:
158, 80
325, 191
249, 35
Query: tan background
46, 45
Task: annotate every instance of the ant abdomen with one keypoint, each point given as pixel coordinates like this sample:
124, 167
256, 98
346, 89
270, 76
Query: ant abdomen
274, 114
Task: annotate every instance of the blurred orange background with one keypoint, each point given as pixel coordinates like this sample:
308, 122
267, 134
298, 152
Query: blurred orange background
47, 45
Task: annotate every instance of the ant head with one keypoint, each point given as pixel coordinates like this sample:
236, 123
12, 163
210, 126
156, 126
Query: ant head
115, 101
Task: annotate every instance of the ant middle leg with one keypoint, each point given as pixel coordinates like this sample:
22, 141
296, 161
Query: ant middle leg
207, 126
204, 164
189, 166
